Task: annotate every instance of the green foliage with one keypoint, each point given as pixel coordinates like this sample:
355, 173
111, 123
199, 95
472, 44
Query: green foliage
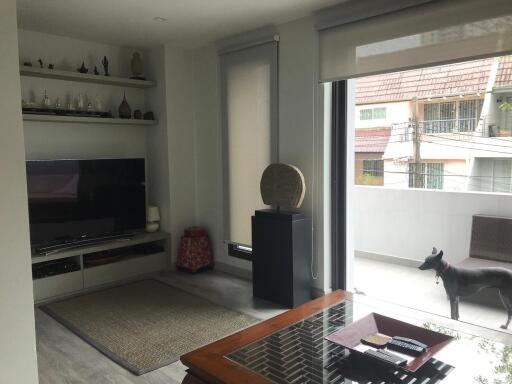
506, 106
368, 179
500, 357
445, 331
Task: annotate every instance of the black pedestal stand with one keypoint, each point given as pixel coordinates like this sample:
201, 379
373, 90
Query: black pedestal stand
281, 244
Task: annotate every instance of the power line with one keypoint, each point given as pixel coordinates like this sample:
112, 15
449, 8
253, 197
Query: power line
458, 146
472, 142
436, 174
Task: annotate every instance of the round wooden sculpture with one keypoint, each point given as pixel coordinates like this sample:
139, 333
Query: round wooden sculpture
282, 185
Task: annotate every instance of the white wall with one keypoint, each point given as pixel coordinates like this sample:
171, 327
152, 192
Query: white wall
156, 138
408, 223
179, 84
300, 128
17, 329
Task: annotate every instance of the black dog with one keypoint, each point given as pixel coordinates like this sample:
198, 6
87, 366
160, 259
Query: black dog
460, 282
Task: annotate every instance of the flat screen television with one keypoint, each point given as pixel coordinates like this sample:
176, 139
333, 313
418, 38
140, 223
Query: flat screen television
73, 200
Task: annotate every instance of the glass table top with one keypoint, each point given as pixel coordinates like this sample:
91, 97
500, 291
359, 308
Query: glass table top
299, 354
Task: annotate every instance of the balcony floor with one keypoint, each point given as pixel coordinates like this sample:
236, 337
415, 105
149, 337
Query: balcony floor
417, 289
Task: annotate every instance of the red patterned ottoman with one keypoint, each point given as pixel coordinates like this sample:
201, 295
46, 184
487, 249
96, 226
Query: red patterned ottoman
195, 251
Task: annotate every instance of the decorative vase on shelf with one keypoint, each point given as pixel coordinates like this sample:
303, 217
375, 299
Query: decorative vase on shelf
125, 112
152, 219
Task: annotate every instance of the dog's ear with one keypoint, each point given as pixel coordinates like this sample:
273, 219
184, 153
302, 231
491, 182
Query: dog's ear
440, 255
434, 251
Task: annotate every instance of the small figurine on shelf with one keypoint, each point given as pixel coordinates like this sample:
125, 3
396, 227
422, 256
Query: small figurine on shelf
27, 63
96, 70
104, 62
71, 103
83, 69
137, 114
98, 106
58, 104
46, 103
137, 67
40, 62
51, 66
81, 102
149, 116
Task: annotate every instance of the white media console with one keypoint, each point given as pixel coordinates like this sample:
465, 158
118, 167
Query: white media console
123, 267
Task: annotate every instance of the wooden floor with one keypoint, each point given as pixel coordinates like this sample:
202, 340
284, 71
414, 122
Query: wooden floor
64, 358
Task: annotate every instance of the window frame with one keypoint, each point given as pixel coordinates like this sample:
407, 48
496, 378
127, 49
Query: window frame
232, 247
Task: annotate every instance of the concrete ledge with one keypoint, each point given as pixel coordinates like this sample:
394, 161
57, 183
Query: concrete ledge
245, 274
388, 259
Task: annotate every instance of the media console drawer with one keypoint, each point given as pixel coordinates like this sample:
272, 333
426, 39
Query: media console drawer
57, 285
125, 269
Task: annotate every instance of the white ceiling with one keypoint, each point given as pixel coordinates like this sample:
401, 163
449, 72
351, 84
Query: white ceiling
191, 23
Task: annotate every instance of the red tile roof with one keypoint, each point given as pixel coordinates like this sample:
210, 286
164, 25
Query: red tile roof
504, 76
469, 77
372, 139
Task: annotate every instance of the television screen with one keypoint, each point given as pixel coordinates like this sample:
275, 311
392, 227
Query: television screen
76, 199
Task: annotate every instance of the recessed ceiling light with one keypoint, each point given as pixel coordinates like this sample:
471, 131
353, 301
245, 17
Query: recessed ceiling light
160, 19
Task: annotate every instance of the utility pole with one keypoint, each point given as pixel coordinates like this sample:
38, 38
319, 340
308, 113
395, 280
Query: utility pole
416, 137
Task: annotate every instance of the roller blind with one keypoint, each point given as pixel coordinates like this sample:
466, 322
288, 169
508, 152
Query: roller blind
249, 115
433, 33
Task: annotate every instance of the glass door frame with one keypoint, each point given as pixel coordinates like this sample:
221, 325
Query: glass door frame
339, 185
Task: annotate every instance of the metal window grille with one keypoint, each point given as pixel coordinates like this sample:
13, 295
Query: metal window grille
373, 168
366, 114
469, 115
426, 175
439, 117
372, 113
379, 113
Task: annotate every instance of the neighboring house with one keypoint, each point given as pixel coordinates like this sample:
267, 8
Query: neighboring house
456, 108
370, 147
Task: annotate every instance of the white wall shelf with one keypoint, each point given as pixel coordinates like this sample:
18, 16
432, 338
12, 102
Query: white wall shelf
86, 120
85, 77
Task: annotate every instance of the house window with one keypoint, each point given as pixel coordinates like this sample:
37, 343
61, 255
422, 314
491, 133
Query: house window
439, 117
373, 168
469, 114
426, 175
461, 116
372, 113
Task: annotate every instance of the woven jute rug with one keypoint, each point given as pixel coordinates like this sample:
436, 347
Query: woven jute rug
147, 324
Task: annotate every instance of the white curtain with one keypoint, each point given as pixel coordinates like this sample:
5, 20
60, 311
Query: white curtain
433, 33
249, 114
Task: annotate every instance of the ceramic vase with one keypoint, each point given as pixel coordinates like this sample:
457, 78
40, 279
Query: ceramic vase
125, 112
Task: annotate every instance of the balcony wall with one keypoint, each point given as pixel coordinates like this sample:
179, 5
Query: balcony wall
407, 223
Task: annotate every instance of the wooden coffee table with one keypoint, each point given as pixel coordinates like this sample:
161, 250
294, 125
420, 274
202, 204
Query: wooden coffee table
290, 348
